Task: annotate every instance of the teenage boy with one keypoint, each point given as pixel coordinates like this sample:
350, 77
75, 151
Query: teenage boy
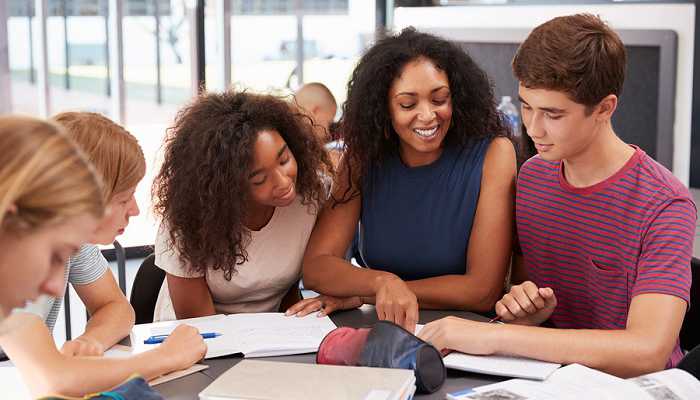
605, 231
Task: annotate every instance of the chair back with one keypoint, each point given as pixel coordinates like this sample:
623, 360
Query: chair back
690, 331
144, 292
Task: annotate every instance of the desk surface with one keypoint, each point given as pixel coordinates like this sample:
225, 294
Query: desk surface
188, 388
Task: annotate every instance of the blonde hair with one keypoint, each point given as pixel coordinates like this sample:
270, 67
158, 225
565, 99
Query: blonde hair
44, 177
114, 152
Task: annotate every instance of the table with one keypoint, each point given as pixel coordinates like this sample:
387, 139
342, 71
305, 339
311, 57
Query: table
188, 388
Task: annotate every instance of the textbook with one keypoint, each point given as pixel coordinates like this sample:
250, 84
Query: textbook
251, 334
576, 381
268, 380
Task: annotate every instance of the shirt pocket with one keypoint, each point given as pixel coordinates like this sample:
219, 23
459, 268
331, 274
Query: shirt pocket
608, 294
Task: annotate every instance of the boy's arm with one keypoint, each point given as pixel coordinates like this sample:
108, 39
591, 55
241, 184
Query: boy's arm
644, 346
47, 371
111, 317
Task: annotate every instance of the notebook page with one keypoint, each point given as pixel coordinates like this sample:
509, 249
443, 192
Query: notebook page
12, 384
253, 334
501, 365
269, 334
216, 347
572, 382
671, 384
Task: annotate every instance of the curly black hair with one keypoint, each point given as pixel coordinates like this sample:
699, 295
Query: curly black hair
201, 191
366, 122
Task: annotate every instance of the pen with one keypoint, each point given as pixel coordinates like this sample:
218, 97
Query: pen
159, 338
495, 319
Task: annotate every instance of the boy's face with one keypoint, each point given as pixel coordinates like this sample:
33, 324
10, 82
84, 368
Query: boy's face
559, 126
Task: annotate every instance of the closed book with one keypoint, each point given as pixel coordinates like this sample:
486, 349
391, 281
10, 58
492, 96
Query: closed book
268, 380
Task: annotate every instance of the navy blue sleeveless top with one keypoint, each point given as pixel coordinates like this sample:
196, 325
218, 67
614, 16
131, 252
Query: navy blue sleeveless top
416, 222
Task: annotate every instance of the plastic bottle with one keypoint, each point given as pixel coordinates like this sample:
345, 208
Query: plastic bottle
510, 115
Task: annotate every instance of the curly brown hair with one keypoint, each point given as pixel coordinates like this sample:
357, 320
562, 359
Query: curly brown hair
366, 122
201, 192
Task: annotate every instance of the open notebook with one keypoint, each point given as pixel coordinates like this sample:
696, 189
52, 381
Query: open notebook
579, 382
253, 334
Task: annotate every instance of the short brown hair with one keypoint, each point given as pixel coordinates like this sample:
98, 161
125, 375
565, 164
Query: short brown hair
115, 152
576, 54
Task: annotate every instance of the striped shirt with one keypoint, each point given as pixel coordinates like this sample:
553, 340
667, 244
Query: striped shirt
600, 246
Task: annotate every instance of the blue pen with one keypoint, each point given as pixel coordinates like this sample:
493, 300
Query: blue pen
159, 338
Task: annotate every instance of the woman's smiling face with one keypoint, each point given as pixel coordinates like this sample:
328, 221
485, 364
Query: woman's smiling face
420, 105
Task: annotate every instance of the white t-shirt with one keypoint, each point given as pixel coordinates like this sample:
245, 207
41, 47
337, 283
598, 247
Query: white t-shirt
258, 285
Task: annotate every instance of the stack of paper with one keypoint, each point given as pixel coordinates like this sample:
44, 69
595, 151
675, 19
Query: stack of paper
253, 335
267, 380
578, 382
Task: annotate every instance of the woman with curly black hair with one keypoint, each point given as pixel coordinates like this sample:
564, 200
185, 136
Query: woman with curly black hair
430, 175
238, 192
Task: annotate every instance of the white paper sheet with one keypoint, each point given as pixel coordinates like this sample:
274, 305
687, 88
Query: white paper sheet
579, 382
517, 367
13, 386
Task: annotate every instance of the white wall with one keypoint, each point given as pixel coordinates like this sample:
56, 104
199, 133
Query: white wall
677, 17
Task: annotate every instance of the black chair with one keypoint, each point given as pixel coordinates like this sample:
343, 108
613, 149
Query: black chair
691, 362
690, 331
144, 291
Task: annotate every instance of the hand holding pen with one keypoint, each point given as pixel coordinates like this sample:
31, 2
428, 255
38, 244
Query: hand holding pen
161, 338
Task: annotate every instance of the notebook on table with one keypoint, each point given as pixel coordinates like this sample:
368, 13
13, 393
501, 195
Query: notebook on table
252, 334
268, 380
516, 367
576, 381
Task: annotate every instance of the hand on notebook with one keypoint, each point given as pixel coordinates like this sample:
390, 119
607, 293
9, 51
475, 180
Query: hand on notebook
526, 304
184, 347
397, 303
325, 305
83, 346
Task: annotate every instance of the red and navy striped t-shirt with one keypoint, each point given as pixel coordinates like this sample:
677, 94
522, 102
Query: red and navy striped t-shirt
600, 246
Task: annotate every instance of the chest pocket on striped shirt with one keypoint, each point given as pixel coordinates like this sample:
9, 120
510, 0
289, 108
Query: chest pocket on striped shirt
607, 288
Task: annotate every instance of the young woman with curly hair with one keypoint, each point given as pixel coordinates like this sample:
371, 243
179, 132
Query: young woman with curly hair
238, 192
429, 173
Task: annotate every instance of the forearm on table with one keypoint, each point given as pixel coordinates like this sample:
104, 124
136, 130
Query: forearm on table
456, 292
76, 376
110, 323
620, 352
